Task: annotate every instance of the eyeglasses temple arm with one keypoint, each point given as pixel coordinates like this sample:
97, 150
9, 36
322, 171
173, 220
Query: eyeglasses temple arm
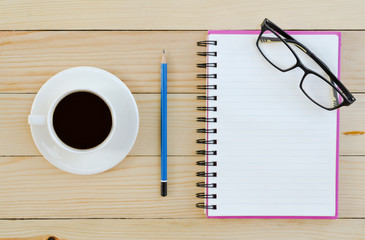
346, 92
290, 39
276, 28
315, 58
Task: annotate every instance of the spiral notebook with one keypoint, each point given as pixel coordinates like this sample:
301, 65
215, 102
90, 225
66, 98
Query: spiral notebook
269, 151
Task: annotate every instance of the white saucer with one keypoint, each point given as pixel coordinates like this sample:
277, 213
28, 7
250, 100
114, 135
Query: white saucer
125, 122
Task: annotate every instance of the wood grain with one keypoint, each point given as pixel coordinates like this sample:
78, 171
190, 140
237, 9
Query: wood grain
351, 186
189, 14
182, 229
16, 139
352, 119
352, 50
29, 59
32, 188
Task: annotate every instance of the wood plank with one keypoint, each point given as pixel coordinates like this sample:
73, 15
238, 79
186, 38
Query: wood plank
29, 59
32, 188
351, 187
16, 139
352, 127
179, 229
190, 14
352, 50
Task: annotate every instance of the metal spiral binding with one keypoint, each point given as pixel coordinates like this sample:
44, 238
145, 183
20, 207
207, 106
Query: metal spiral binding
205, 174
206, 185
205, 87
212, 109
205, 119
207, 130
203, 141
206, 43
206, 76
203, 195
202, 205
212, 98
206, 65
205, 54
205, 152
204, 163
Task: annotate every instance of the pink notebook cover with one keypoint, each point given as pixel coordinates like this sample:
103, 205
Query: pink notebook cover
338, 122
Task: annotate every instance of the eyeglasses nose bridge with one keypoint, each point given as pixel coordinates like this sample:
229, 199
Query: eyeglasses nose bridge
304, 68
306, 72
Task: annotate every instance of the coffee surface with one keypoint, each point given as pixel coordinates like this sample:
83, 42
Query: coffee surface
82, 120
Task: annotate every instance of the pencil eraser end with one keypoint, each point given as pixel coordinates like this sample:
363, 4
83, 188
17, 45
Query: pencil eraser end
163, 189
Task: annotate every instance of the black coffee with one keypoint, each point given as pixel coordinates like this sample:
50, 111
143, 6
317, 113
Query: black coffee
82, 120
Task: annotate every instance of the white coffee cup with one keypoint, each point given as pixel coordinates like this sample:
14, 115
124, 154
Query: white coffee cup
124, 117
47, 120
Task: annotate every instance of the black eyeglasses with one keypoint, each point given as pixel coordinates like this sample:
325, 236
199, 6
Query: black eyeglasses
323, 89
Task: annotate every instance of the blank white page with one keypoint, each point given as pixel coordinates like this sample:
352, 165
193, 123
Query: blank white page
276, 150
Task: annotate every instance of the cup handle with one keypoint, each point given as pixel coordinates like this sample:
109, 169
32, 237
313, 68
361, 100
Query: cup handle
37, 119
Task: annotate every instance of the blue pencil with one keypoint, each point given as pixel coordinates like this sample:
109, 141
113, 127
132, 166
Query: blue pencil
163, 125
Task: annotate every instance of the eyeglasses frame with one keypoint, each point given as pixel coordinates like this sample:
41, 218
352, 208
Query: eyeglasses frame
348, 98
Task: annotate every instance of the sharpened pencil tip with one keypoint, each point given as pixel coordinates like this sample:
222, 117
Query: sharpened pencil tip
163, 60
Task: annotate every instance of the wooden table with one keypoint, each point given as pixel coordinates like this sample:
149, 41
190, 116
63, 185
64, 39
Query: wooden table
38, 201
